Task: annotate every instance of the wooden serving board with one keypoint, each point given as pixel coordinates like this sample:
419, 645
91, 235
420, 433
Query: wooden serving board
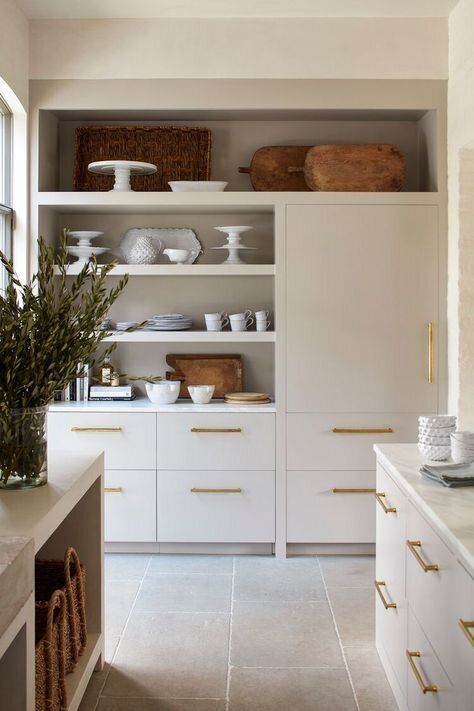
377, 167
269, 169
222, 371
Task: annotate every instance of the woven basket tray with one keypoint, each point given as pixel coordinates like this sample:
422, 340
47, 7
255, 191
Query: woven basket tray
50, 658
179, 152
68, 576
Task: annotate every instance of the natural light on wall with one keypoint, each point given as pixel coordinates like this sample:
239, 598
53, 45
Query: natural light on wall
6, 212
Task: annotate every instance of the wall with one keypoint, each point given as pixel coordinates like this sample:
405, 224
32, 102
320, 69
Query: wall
14, 49
239, 48
461, 208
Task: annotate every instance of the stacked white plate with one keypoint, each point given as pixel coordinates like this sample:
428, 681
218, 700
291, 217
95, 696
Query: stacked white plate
462, 447
434, 436
125, 325
169, 322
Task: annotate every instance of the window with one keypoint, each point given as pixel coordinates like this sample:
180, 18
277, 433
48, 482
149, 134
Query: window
6, 211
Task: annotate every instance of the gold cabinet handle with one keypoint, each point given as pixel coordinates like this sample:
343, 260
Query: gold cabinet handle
112, 489
216, 429
413, 545
96, 429
432, 688
353, 491
378, 585
466, 626
430, 353
362, 430
379, 495
195, 490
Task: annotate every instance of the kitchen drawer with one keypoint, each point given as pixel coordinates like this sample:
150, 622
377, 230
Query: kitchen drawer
128, 440
221, 441
312, 444
391, 524
430, 672
216, 506
317, 514
462, 650
391, 632
130, 506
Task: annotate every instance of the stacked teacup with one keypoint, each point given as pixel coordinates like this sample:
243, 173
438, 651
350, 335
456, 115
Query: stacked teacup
261, 320
241, 321
434, 436
462, 447
216, 321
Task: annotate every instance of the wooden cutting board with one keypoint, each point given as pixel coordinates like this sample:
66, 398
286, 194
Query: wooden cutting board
222, 371
269, 169
377, 167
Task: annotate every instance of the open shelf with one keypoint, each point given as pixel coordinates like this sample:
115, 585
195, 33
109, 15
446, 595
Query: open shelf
152, 270
191, 337
77, 682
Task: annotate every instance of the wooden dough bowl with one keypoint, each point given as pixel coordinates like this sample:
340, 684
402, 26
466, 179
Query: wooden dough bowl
269, 169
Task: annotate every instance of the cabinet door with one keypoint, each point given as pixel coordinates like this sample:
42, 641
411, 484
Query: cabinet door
362, 289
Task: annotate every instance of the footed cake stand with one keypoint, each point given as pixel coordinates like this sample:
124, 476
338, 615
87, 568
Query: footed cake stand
234, 243
122, 169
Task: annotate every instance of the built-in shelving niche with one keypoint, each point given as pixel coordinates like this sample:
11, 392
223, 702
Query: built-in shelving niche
237, 135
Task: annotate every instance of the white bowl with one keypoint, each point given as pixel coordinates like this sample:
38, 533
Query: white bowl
197, 186
437, 421
201, 394
177, 256
165, 392
438, 441
437, 454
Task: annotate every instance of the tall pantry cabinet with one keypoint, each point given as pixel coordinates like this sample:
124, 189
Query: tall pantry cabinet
362, 327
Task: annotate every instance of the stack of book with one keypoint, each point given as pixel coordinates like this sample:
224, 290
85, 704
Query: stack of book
112, 393
78, 389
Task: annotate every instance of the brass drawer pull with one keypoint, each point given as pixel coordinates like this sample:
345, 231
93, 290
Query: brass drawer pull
353, 491
216, 429
379, 495
466, 626
413, 545
113, 489
378, 584
424, 687
430, 353
96, 429
362, 430
195, 490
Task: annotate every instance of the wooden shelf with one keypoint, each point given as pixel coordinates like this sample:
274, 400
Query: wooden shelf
192, 337
77, 682
153, 270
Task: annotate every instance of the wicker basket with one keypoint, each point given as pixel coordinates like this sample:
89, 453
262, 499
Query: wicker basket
70, 577
50, 657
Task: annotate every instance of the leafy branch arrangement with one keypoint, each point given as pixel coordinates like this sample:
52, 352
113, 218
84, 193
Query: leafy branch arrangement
47, 327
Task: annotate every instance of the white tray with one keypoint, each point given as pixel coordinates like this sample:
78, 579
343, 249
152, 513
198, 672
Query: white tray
164, 238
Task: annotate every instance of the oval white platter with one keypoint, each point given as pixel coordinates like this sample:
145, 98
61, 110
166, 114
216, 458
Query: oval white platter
164, 238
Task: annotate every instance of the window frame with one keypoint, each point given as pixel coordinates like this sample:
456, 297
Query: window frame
6, 207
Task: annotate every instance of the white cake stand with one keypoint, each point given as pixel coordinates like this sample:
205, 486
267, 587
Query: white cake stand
122, 169
234, 243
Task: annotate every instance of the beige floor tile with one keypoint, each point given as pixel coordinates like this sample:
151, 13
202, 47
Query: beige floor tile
185, 593
161, 705
354, 612
264, 578
370, 683
290, 690
189, 564
348, 570
111, 644
91, 696
274, 634
125, 566
119, 598
182, 655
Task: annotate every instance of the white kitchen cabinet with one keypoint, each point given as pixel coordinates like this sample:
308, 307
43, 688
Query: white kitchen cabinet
130, 506
362, 287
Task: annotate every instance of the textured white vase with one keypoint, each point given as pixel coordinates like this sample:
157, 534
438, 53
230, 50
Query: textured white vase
143, 251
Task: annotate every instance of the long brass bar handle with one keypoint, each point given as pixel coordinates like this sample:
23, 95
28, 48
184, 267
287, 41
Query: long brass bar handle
362, 430
466, 626
432, 688
413, 545
113, 489
96, 429
195, 490
216, 429
430, 353
353, 491
378, 585
379, 495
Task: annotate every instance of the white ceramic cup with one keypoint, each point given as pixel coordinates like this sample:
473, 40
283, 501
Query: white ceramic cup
201, 394
262, 325
217, 325
215, 316
262, 315
241, 316
241, 324
177, 256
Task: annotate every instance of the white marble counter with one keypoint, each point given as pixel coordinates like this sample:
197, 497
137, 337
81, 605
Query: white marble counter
450, 511
142, 404
16, 577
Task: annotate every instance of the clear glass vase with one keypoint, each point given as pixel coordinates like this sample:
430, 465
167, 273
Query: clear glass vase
23, 450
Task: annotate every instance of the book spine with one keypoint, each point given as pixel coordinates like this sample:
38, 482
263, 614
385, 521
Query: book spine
78, 383
111, 399
66, 394
86, 382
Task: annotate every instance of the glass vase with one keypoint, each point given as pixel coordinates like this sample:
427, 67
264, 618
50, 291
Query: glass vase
23, 450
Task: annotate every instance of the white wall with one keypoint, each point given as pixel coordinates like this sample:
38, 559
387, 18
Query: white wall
239, 48
14, 64
461, 209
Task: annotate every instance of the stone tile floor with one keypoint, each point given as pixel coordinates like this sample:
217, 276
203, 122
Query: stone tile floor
215, 633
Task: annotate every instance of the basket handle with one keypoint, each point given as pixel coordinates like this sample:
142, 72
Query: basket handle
71, 557
56, 608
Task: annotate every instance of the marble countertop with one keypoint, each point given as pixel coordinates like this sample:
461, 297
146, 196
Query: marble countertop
450, 511
16, 576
